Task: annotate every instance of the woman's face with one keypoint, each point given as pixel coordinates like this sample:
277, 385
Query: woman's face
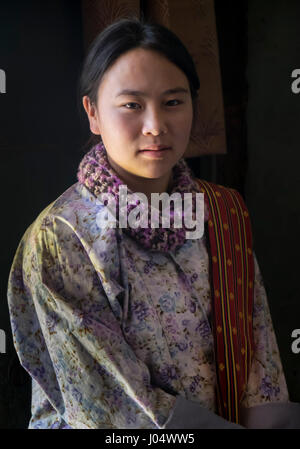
144, 101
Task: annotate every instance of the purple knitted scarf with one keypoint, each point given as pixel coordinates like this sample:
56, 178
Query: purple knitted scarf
96, 174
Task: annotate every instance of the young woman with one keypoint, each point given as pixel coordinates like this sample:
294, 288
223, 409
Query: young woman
138, 326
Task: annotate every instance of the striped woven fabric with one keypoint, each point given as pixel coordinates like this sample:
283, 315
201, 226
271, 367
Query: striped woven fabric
232, 280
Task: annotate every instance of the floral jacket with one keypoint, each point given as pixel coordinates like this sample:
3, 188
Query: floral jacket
111, 334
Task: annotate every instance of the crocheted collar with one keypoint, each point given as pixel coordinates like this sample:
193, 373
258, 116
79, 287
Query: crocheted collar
97, 175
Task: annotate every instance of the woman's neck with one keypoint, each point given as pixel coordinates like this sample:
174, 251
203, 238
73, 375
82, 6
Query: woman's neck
144, 185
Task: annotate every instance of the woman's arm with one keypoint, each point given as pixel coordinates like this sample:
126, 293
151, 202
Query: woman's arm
69, 340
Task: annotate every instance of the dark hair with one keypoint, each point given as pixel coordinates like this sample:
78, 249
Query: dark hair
127, 34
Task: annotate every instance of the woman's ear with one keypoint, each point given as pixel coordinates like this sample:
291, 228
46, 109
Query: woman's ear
92, 114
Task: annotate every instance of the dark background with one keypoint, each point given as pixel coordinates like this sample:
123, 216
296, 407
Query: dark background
42, 140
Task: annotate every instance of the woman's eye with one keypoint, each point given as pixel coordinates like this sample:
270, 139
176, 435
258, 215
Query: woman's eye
173, 102
131, 105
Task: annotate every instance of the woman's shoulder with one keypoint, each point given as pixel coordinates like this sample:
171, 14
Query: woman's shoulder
75, 201
75, 212
73, 207
67, 228
216, 192
204, 184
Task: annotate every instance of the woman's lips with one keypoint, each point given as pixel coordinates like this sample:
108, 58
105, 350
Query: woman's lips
155, 153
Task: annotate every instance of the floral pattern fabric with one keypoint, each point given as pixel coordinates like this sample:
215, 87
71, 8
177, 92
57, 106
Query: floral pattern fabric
111, 332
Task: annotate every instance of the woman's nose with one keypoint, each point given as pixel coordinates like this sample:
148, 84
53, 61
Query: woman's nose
154, 123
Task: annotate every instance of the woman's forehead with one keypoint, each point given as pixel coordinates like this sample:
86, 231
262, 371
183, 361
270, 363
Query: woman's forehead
140, 69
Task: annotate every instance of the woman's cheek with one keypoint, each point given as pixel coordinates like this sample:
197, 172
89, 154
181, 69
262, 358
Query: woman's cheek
185, 117
128, 123
184, 126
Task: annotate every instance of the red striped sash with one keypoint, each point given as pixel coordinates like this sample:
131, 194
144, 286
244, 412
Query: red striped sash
232, 280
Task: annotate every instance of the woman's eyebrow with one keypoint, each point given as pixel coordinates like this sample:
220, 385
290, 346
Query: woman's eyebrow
175, 90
